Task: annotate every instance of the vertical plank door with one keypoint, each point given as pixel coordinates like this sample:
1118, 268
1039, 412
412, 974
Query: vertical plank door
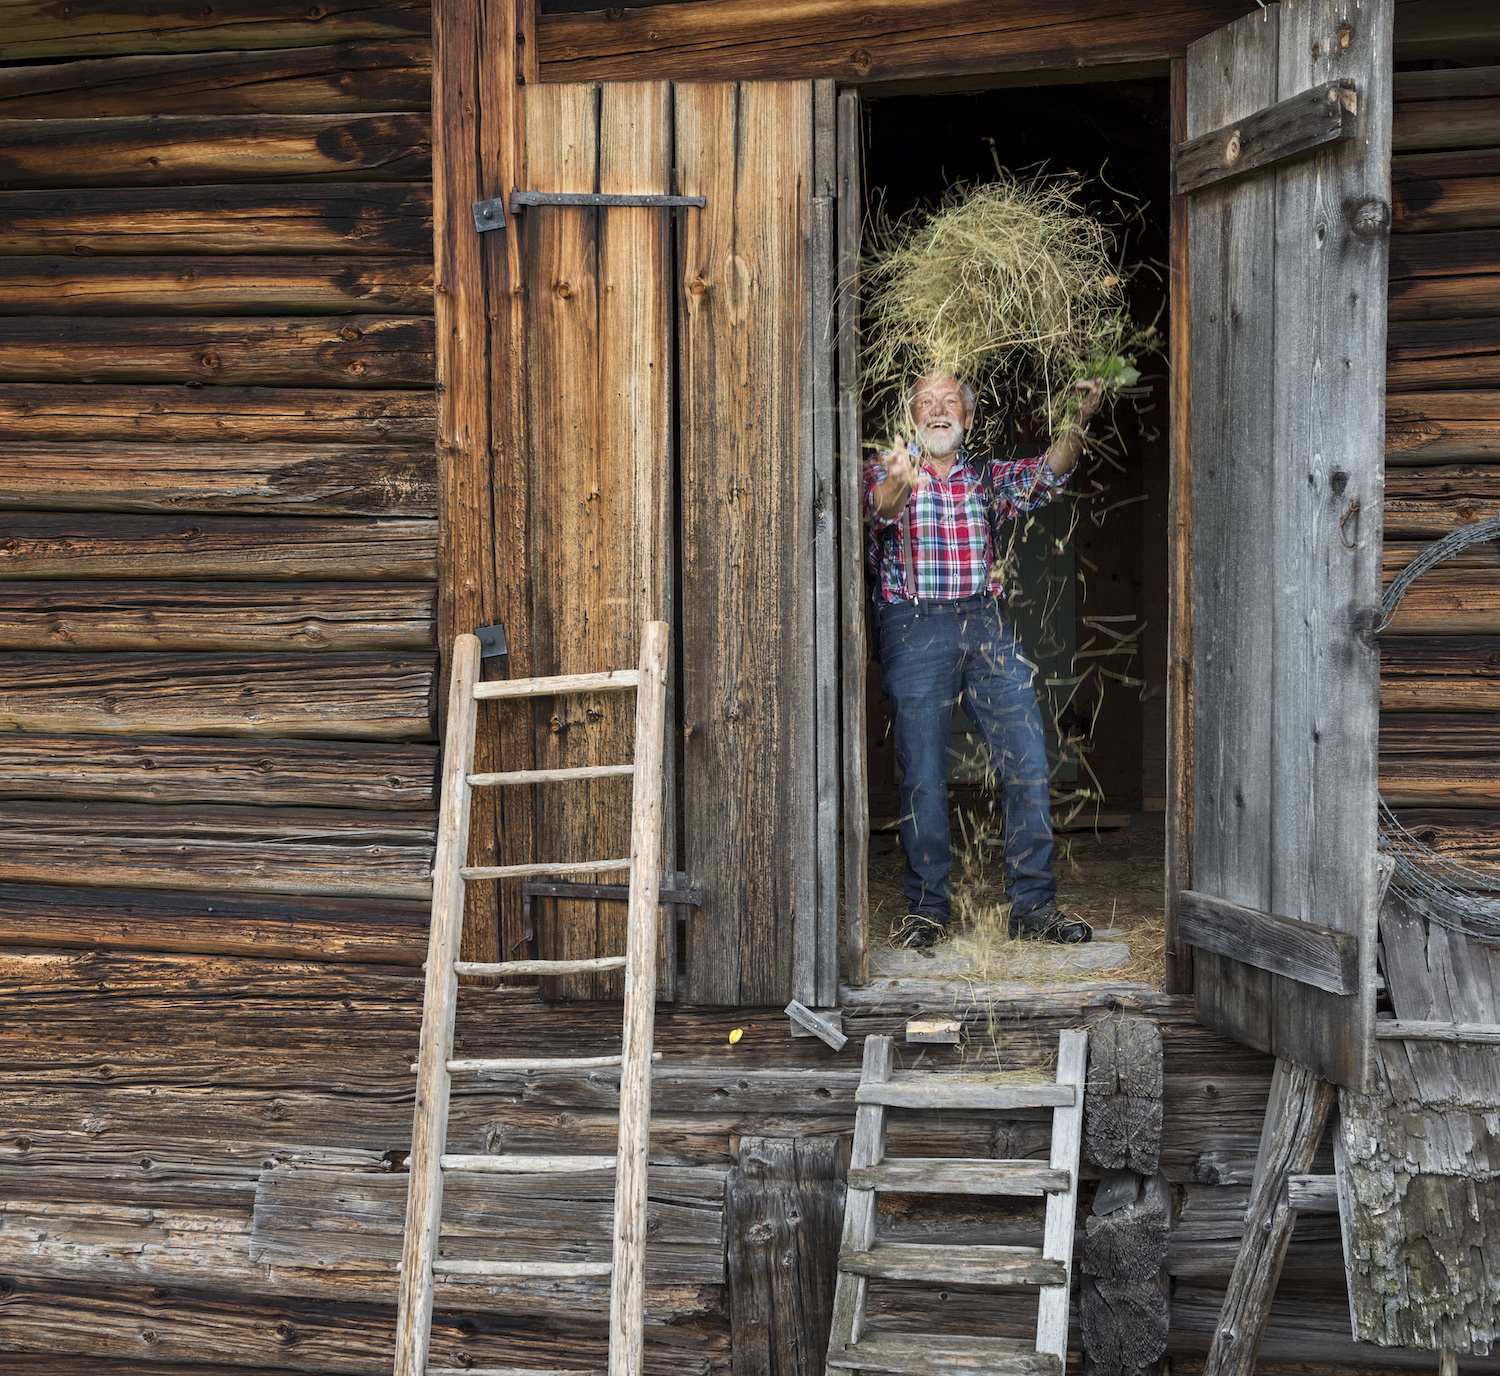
1287, 272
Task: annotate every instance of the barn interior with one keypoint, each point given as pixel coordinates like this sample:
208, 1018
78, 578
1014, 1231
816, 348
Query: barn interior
1089, 593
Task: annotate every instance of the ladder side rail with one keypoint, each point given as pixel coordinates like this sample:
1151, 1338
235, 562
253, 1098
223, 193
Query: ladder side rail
1062, 1207
859, 1205
424, 1199
627, 1282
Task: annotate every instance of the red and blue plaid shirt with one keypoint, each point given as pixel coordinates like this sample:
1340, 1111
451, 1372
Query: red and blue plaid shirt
953, 551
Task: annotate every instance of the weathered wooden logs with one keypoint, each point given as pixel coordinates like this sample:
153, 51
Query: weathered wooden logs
1123, 1101
194, 769
1437, 109
1125, 1324
1129, 1243
1434, 355
222, 285
1439, 733
1426, 503
336, 78
1465, 837
1440, 674
35, 545
1444, 276
316, 217
1443, 782
265, 351
1445, 191
350, 697
1451, 599
215, 149
1441, 427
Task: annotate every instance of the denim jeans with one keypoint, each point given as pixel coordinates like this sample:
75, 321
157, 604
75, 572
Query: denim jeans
930, 657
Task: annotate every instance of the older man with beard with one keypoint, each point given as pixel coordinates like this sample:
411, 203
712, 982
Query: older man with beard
934, 511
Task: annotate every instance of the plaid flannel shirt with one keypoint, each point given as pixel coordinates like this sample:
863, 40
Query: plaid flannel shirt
954, 547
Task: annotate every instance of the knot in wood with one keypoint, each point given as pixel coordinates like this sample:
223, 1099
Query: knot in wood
563, 289
148, 1336
1346, 36
859, 59
697, 287
1232, 148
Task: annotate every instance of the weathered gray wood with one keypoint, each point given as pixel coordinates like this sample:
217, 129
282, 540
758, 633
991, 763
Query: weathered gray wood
1124, 1323
1123, 1102
956, 1265
1285, 820
1314, 1194
936, 1354
1299, 124
938, 1175
1130, 1243
918, 1089
823, 1028
782, 1220
1480, 1034
1301, 951
1062, 1207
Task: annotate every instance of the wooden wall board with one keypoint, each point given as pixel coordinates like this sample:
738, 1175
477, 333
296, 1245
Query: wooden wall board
1440, 674
219, 285
1445, 191
746, 512
266, 479
36, 28
1439, 733
96, 412
1468, 837
1451, 601
353, 697
211, 149
1443, 782
336, 217
265, 351
1442, 427
86, 545
1437, 355
1426, 503
358, 77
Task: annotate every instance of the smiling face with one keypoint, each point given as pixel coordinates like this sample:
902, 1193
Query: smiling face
940, 412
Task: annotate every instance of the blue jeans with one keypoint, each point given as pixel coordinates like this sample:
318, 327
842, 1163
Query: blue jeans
930, 657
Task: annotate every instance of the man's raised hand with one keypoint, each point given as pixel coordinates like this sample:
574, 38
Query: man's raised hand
904, 466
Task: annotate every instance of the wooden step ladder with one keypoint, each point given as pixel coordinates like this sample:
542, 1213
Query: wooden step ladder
421, 1263
854, 1347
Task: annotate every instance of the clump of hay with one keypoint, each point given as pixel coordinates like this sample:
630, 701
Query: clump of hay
1009, 285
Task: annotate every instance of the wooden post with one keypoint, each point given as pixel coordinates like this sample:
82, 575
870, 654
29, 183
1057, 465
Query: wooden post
424, 1196
627, 1284
1296, 1118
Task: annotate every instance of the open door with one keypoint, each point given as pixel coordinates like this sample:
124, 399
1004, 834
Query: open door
1286, 165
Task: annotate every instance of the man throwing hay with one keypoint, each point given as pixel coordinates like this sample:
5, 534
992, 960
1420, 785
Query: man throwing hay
943, 636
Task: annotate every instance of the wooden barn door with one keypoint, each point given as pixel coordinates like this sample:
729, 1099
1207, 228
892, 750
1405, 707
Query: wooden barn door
1288, 182
681, 467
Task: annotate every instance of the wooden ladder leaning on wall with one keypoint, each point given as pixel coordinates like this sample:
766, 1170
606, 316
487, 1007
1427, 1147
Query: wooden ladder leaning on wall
421, 1262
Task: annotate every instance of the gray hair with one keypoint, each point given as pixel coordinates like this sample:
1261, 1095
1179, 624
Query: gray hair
971, 397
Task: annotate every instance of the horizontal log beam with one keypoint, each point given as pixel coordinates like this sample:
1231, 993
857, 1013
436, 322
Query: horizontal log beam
1434, 355
44, 545
1467, 837
215, 286
317, 217
338, 78
1444, 255
1432, 192
1417, 125
322, 697
1442, 427
1425, 503
1439, 733
217, 850
1474, 1033
1451, 297
167, 769
1302, 951
245, 480
317, 351
1450, 600
215, 149
1439, 674
363, 931
203, 617
37, 28
1443, 782
96, 413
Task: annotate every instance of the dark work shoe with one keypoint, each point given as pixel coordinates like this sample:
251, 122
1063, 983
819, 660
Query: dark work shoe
1051, 924
919, 931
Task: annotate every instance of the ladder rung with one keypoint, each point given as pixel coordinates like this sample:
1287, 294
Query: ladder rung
541, 1063
942, 1175
546, 1270
608, 681
551, 776
527, 1165
955, 1265
934, 1354
512, 1371
915, 1089
561, 867
538, 967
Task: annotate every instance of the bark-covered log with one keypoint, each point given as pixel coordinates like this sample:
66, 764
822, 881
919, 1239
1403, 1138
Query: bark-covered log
1441, 427
263, 479
342, 617
341, 78
1433, 355
93, 414
39, 28
315, 351
327, 697
215, 149
1439, 733
360, 931
1130, 1243
316, 217
1426, 503
1450, 599
215, 286
36, 545
1125, 1324
189, 769
1123, 1101
1445, 191
218, 850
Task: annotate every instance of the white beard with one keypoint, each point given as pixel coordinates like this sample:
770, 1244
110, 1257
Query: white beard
941, 443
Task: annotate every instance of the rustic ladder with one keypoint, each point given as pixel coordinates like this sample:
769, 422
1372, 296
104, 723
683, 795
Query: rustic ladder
854, 1347
429, 1160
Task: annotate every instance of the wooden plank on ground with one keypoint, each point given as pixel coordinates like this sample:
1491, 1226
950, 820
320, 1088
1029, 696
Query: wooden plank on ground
335, 78
746, 517
37, 545
187, 769
262, 351
317, 217
353, 697
215, 149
